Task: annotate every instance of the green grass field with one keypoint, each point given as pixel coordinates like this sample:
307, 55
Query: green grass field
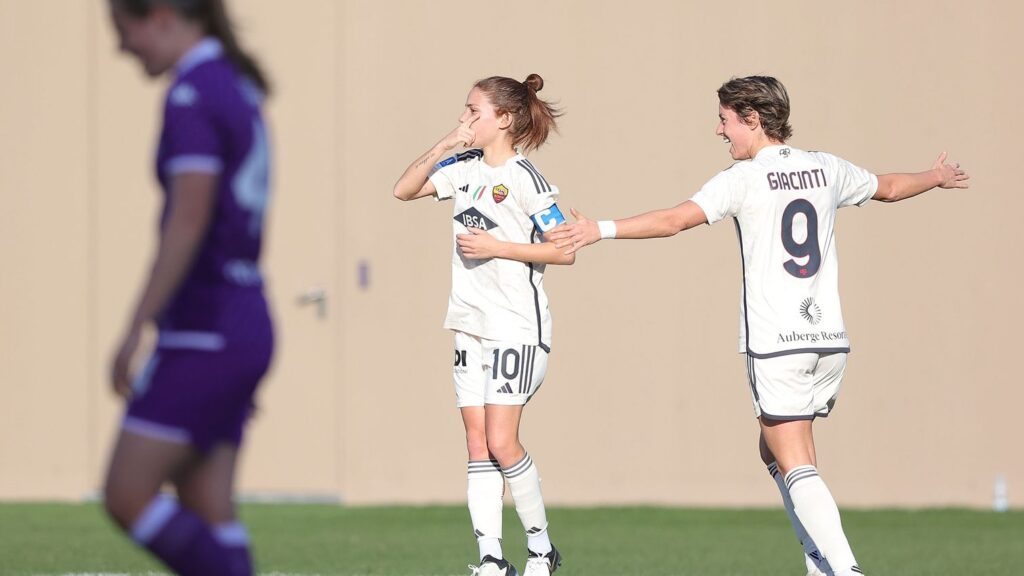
50, 539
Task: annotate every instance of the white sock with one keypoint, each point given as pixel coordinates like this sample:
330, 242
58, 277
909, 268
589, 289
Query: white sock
484, 492
817, 511
813, 559
231, 534
524, 483
154, 517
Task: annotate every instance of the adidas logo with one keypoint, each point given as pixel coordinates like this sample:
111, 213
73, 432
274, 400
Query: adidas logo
506, 389
464, 188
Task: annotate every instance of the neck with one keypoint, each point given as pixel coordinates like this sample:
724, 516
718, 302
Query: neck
497, 153
763, 142
185, 39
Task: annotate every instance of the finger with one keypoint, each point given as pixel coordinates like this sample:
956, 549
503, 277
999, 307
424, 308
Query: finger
942, 158
575, 213
477, 231
557, 234
472, 119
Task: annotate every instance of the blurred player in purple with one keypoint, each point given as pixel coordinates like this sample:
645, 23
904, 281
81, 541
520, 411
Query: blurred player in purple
204, 294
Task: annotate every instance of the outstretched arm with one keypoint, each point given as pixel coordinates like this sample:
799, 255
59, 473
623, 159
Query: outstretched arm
654, 224
414, 182
479, 245
900, 186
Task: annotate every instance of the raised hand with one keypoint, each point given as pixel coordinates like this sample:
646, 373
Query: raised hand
572, 237
950, 174
462, 135
120, 377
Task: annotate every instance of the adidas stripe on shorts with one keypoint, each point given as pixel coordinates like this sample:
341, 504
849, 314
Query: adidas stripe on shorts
490, 372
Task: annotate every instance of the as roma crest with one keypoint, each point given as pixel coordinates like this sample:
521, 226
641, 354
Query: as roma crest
499, 193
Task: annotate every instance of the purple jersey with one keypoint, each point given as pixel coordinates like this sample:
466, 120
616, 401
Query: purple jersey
213, 124
216, 336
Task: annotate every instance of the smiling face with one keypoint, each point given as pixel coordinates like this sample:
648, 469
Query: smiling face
742, 136
489, 126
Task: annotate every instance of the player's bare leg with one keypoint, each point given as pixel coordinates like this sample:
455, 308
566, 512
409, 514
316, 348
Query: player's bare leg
139, 466
792, 444
524, 483
176, 535
813, 560
485, 485
206, 486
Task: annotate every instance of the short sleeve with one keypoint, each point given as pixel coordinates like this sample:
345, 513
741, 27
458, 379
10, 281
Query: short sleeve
445, 180
192, 140
853, 185
720, 197
448, 174
534, 193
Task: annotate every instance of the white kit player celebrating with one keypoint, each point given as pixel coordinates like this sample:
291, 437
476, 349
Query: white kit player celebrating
783, 202
498, 308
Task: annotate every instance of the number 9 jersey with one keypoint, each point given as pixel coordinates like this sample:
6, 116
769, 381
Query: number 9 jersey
784, 203
498, 299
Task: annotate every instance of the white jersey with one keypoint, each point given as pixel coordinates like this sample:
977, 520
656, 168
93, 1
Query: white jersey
784, 204
498, 299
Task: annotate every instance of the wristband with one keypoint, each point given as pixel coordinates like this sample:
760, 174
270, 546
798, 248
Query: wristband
607, 228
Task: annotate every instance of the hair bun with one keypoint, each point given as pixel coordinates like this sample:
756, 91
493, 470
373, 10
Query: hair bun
534, 81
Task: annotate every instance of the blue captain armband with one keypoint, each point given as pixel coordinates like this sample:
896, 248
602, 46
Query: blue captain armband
545, 220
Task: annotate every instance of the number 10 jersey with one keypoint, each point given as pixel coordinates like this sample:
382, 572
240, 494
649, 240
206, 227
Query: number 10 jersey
784, 203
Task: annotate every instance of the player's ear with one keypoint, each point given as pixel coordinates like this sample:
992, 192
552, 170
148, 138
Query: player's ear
505, 121
753, 121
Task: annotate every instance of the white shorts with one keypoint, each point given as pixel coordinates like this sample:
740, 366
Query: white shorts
489, 372
795, 386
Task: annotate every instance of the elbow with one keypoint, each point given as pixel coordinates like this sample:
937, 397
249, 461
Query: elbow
399, 193
888, 196
673, 227
888, 190
568, 259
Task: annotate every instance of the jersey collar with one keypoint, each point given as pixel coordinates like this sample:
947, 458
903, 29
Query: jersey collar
207, 49
515, 158
775, 150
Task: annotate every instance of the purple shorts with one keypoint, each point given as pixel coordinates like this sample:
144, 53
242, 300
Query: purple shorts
197, 388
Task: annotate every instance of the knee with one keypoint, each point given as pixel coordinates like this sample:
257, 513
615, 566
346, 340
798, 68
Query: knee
124, 502
504, 448
117, 504
476, 445
766, 455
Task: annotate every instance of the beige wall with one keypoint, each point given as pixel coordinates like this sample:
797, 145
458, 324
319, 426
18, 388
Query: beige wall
645, 399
